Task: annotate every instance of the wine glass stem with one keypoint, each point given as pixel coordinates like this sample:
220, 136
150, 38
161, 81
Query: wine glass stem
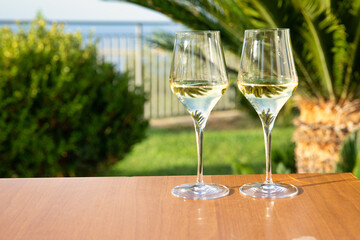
199, 142
267, 137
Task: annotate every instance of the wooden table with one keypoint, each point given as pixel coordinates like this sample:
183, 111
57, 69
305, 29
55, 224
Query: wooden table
328, 207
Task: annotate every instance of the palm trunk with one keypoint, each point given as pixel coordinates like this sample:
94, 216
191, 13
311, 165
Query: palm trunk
320, 130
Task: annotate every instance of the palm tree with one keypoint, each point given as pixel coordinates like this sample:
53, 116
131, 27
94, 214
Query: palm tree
325, 40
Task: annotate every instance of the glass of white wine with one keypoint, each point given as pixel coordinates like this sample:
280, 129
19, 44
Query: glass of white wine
198, 78
267, 78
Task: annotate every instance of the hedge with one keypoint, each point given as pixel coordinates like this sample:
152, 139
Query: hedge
63, 110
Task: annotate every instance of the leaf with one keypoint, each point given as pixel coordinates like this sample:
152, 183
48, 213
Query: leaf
198, 118
266, 117
191, 91
259, 91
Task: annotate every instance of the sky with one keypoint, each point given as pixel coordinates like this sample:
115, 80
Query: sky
77, 10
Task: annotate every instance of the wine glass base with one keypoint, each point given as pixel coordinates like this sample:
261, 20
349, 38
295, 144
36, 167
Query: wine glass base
197, 191
263, 190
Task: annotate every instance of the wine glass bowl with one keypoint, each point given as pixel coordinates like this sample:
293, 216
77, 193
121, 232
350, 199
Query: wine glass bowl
267, 78
198, 79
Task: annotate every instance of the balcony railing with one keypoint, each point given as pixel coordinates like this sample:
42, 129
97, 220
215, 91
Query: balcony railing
129, 47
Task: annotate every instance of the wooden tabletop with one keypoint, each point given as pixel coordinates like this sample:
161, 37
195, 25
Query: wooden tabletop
328, 207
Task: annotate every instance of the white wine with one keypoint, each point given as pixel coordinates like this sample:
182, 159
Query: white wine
267, 99
198, 97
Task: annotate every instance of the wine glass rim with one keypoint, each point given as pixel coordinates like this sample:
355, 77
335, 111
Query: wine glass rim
267, 29
198, 32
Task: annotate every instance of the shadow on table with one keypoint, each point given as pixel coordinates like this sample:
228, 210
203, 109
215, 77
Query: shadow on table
313, 180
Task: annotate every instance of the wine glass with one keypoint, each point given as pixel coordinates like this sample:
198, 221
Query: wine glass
267, 78
198, 78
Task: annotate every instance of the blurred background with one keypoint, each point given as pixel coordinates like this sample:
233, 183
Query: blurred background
84, 89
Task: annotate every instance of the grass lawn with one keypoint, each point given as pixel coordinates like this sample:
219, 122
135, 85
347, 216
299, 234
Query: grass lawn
173, 152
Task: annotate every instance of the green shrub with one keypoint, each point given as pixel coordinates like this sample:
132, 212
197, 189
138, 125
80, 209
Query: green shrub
282, 161
283, 158
63, 111
350, 155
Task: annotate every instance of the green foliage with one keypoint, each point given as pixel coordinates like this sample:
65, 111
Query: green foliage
356, 170
192, 92
242, 168
63, 111
350, 155
234, 151
287, 114
259, 91
283, 158
266, 117
325, 35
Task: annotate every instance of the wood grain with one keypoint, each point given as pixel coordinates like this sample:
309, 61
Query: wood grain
328, 207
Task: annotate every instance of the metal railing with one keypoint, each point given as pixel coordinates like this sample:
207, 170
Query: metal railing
150, 65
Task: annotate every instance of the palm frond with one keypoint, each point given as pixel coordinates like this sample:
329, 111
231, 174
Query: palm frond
192, 92
351, 77
310, 86
325, 35
259, 91
315, 31
267, 117
284, 14
198, 118
266, 13
165, 41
